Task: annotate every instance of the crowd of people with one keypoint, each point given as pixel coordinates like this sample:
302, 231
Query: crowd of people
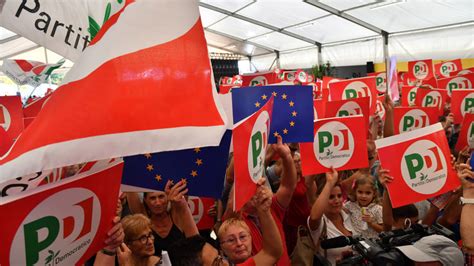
290, 215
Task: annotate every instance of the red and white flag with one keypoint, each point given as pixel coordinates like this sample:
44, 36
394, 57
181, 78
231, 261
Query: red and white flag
250, 139
338, 142
380, 81
32, 109
394, 86
149, 97
420, 162
199, 207
355, 88
444, 69
466, 135
62, 223
462, 103
431, 98
410, 118
457, 83
260, 79
421, 69
408, 95
11, 115
29, 72
351, 107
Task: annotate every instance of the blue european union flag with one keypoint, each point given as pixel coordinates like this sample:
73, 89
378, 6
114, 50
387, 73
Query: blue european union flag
202, 168
292, 116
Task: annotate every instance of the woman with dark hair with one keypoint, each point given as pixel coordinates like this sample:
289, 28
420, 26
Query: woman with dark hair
166, 227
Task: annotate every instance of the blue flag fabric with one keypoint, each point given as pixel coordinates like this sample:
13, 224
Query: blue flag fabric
292, 116
202, 168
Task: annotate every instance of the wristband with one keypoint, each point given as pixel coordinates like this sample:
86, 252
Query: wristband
108, 252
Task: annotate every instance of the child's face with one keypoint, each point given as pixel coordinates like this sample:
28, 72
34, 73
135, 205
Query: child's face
364, 194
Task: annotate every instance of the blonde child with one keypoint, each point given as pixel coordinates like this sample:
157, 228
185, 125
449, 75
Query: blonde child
363, 208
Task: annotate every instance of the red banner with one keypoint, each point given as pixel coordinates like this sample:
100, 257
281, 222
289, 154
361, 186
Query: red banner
408, 95
60, 224
410, 118
260, 79
351, 107
319, 107
421, 69
462, 102
329, 80
466, 135
444, 69
338, 142
457, 83
199, 207
355, 88
420, 162
250, 139
380, 81
431, 98
11, 115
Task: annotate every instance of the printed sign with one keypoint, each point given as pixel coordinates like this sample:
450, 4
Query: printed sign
462, 103
466, 135
380, 81
351, 107
421, 69
457, 83
431, 98
199, 207
444, 69
355, 88
410, 118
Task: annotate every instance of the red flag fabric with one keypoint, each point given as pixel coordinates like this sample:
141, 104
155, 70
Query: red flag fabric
5, 141
329, 80
32, 109
61, 223
408, 95
319, 109
431, 98
199, 207
356, 106
456, 83
250, 139
11, 115
338, 142
444, 69
421, 69
462, 103
410, 118
466, 135
355, 88
260, 79
420, 163
155, 94
380, 81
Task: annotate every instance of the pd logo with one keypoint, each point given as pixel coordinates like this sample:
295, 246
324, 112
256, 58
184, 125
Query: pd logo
447, 68
258, 145
356, 89
424, 167
432, 99
380, 81
59, 235
459, 83
197, 208
467, 105
412, 96
333, 144
349, 108
259, 81
420, 70
5, 118
412, 120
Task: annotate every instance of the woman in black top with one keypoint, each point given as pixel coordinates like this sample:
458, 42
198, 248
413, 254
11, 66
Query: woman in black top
166, 229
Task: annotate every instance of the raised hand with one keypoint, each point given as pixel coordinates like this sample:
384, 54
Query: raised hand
281, 149
384, 177
176, 193
332, 176
124, 255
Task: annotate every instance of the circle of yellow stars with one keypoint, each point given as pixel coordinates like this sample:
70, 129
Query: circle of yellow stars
284, 97
194, 172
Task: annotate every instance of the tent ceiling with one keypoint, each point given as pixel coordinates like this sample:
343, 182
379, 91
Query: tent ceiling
258, 27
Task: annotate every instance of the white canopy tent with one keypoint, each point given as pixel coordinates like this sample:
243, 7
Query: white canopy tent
300, 34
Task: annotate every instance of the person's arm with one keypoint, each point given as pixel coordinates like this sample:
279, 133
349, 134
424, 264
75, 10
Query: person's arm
288, 175
272, 248
374, 225
180, 209
387, 215
431, 215
467, 213
323, 199
388, 128
452, 211
115, 237
135, 204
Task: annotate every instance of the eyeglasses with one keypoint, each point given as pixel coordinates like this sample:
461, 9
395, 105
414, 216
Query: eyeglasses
144, 239
232, 241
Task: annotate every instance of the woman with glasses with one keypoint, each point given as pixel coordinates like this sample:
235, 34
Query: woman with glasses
138, 248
